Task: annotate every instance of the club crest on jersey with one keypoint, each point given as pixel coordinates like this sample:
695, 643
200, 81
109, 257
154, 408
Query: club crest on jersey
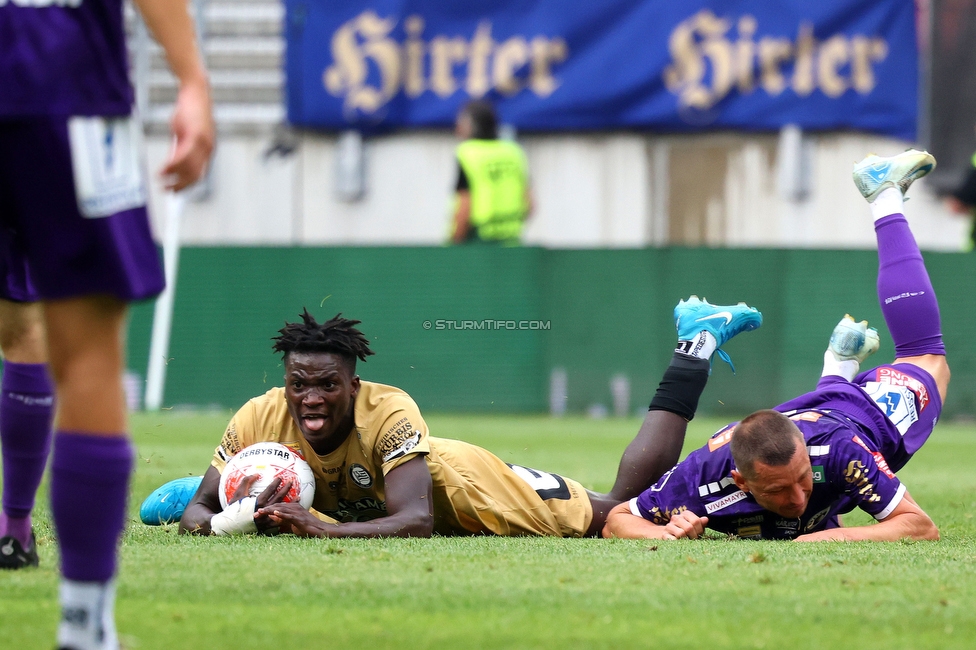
815, 520
360, 476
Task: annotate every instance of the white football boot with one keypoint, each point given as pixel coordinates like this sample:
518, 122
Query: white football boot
875, 174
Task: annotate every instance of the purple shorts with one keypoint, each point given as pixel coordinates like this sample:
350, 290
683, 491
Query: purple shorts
48, 249
898, 406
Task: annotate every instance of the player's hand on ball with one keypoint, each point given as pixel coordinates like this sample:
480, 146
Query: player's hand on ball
243, 489
685, 525
274, 494
293, 518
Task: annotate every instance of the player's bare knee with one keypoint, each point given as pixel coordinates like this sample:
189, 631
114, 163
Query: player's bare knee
22, 340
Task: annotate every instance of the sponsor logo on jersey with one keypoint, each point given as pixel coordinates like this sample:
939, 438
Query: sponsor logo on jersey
405, 448
230, 443
749, 531
857, 476
894, 378
720, 439
896, 402
879, 460
789, 527
398, 440
359, 510
662, 517
818, 474
816, 519
754, 519
725, 502
360, 476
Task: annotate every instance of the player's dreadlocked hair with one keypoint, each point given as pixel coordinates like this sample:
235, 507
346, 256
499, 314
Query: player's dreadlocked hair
337, 336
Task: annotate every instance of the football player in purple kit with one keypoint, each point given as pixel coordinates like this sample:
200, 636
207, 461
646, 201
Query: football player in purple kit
75, 236
788, 473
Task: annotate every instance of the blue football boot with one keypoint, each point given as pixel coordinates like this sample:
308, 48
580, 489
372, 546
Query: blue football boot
167, 503
693, 316
875, 174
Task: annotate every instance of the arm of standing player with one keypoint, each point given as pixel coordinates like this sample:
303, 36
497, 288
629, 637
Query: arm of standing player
206, 502
409, 492
621, 522
906, 521
192, 123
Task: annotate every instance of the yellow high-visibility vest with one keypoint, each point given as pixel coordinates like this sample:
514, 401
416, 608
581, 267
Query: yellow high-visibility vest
497, 180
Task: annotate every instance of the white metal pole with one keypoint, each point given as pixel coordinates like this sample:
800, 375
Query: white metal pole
163, 313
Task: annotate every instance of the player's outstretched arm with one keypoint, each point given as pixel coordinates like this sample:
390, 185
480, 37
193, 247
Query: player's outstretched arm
192, 123
198, 518
204, 505
409, 496
621, 522
907, 521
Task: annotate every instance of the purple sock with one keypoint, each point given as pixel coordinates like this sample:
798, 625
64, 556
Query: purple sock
908, 301
89, 488
26, 408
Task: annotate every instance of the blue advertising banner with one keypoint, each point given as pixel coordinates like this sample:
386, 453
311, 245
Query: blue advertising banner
613, 64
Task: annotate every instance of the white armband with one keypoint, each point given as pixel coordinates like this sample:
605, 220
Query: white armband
236, 519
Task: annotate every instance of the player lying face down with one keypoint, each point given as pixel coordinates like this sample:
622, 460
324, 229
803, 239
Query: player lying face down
789, 473
379, 473
756, 480
314, 414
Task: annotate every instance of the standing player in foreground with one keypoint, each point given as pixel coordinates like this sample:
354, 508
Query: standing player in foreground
788, 473
380, 474
72, 208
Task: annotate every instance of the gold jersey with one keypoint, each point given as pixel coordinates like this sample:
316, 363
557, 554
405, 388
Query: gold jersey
474, 492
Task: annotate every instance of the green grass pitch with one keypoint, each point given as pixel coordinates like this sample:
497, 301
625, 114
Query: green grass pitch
181, 592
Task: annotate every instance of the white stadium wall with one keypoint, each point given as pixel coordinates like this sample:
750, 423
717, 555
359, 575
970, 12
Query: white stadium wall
618, 190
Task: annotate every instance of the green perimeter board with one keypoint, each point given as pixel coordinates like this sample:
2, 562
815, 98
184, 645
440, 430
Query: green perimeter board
607, 312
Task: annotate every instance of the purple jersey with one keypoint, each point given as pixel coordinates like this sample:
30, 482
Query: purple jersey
897, 406
848, 471
63, 57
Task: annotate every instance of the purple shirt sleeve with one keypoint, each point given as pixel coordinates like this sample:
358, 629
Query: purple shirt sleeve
674, 493
862, 473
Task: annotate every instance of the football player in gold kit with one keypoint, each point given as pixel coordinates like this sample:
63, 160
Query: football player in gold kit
379, 472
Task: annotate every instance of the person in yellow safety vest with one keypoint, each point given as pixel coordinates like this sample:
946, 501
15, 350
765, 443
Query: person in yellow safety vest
493, 197
962, 200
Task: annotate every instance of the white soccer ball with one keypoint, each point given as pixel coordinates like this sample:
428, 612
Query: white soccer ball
269, 460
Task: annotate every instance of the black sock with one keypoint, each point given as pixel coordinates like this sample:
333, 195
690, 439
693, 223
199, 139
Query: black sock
681, 386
